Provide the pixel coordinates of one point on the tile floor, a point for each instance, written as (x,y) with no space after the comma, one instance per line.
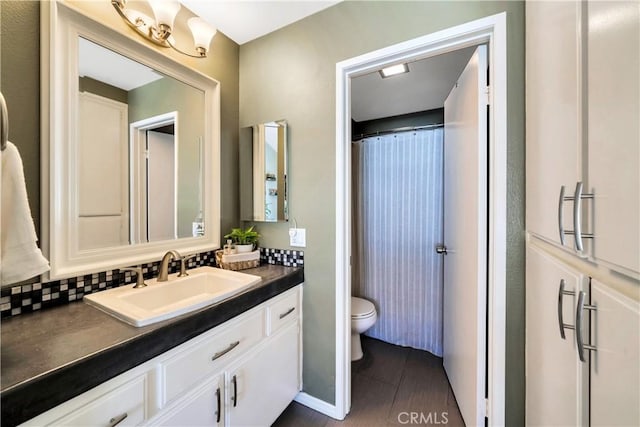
(388,385)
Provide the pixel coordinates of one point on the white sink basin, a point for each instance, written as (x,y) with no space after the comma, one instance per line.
(165,300)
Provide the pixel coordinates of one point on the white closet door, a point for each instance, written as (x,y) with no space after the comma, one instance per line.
(553,107)
(615,365)
(556,381)
(614,133)
(465,235)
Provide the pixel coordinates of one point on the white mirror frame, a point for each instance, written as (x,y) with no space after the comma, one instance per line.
(61,25)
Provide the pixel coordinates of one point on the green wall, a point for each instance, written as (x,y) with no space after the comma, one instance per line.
(291,74)
(20,84)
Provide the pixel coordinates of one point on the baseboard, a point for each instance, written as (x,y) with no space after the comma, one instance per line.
(318,405)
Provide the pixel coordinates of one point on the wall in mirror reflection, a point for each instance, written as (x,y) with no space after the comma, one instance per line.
(140,152)
(264,182)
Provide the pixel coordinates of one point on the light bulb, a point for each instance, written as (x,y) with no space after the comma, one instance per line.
(165,11)
(202,33)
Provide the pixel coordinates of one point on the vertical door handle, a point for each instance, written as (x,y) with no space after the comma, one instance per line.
(561,199)
(579,313)
(218,410)
(234,398)
(561,293)
(577,216)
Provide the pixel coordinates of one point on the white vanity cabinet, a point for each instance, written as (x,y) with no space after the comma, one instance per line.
(242,372)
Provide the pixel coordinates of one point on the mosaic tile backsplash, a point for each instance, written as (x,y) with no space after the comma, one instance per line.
(33,295)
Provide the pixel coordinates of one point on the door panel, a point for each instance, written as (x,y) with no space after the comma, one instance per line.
(615,366)
(161,182)
(556,380)
(465,235)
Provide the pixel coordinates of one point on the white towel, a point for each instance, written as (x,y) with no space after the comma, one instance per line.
(20,257)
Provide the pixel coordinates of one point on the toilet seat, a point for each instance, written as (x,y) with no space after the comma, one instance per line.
(361,308)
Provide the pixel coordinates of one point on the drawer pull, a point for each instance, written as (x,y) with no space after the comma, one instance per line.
(288,312)
(234,381)
(218,411)
(117,420)
(226,350)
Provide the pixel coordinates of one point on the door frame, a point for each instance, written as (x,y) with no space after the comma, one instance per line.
(137,191)
(493,31)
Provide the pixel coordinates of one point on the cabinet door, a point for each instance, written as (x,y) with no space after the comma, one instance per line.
(263,385)
(203,407)
(556,381)
(614,134)
(615,365)
(553,113)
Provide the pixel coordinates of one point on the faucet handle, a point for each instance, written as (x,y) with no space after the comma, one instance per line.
(139,276)
(183,265)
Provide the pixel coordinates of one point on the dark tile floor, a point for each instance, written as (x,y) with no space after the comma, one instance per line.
(390,384)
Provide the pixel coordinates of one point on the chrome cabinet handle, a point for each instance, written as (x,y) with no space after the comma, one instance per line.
(577,216)
(288,312)
(561,201)
(225,351)
(234,398)
(218,410)
(579,313)
(117,420)
(561,293)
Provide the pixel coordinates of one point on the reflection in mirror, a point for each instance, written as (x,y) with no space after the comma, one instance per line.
(140,135)
(263,172)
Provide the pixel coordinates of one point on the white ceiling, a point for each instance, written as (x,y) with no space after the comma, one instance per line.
(243,21)
(424,87)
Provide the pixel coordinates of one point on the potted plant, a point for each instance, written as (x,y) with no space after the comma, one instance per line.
(245,240)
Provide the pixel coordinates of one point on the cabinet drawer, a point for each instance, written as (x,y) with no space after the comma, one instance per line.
(186,368)
(124,406)
(283,311)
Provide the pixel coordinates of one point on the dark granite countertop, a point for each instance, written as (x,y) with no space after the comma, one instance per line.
(51,356)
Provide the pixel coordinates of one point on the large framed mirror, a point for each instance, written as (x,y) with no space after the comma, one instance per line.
(264,177)
(131,156)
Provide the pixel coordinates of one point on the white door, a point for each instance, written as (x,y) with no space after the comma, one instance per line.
(161,187)
(614,134)
(465,236)
(102,173)
(615,366)
(557,382)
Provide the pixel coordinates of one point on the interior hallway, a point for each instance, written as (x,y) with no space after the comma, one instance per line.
(389,384)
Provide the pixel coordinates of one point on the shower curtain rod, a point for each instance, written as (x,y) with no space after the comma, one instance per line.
(402,129)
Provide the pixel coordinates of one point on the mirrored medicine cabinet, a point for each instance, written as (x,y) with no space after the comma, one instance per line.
(132,150)
(264,185)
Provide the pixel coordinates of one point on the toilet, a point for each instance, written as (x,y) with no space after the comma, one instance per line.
(363,316)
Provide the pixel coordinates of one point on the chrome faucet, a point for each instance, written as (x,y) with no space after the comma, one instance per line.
(164,264)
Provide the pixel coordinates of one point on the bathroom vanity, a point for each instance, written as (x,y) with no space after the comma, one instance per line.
(237,362)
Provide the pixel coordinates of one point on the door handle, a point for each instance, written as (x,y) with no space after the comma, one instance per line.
(117,420)
(234,398)
(579,313)
(218,410)
(577,216)
(441,249)
(561,293)
(561,199)
(225,351)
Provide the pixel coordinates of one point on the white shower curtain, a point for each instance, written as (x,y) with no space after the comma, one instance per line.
(398,222)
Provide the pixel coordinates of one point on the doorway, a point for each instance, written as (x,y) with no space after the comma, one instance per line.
(492,31)
(153,180)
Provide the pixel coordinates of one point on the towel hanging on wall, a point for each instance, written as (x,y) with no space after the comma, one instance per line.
(20,257)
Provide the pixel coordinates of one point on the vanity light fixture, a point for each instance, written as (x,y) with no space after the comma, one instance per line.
(159,31)
(394,70)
